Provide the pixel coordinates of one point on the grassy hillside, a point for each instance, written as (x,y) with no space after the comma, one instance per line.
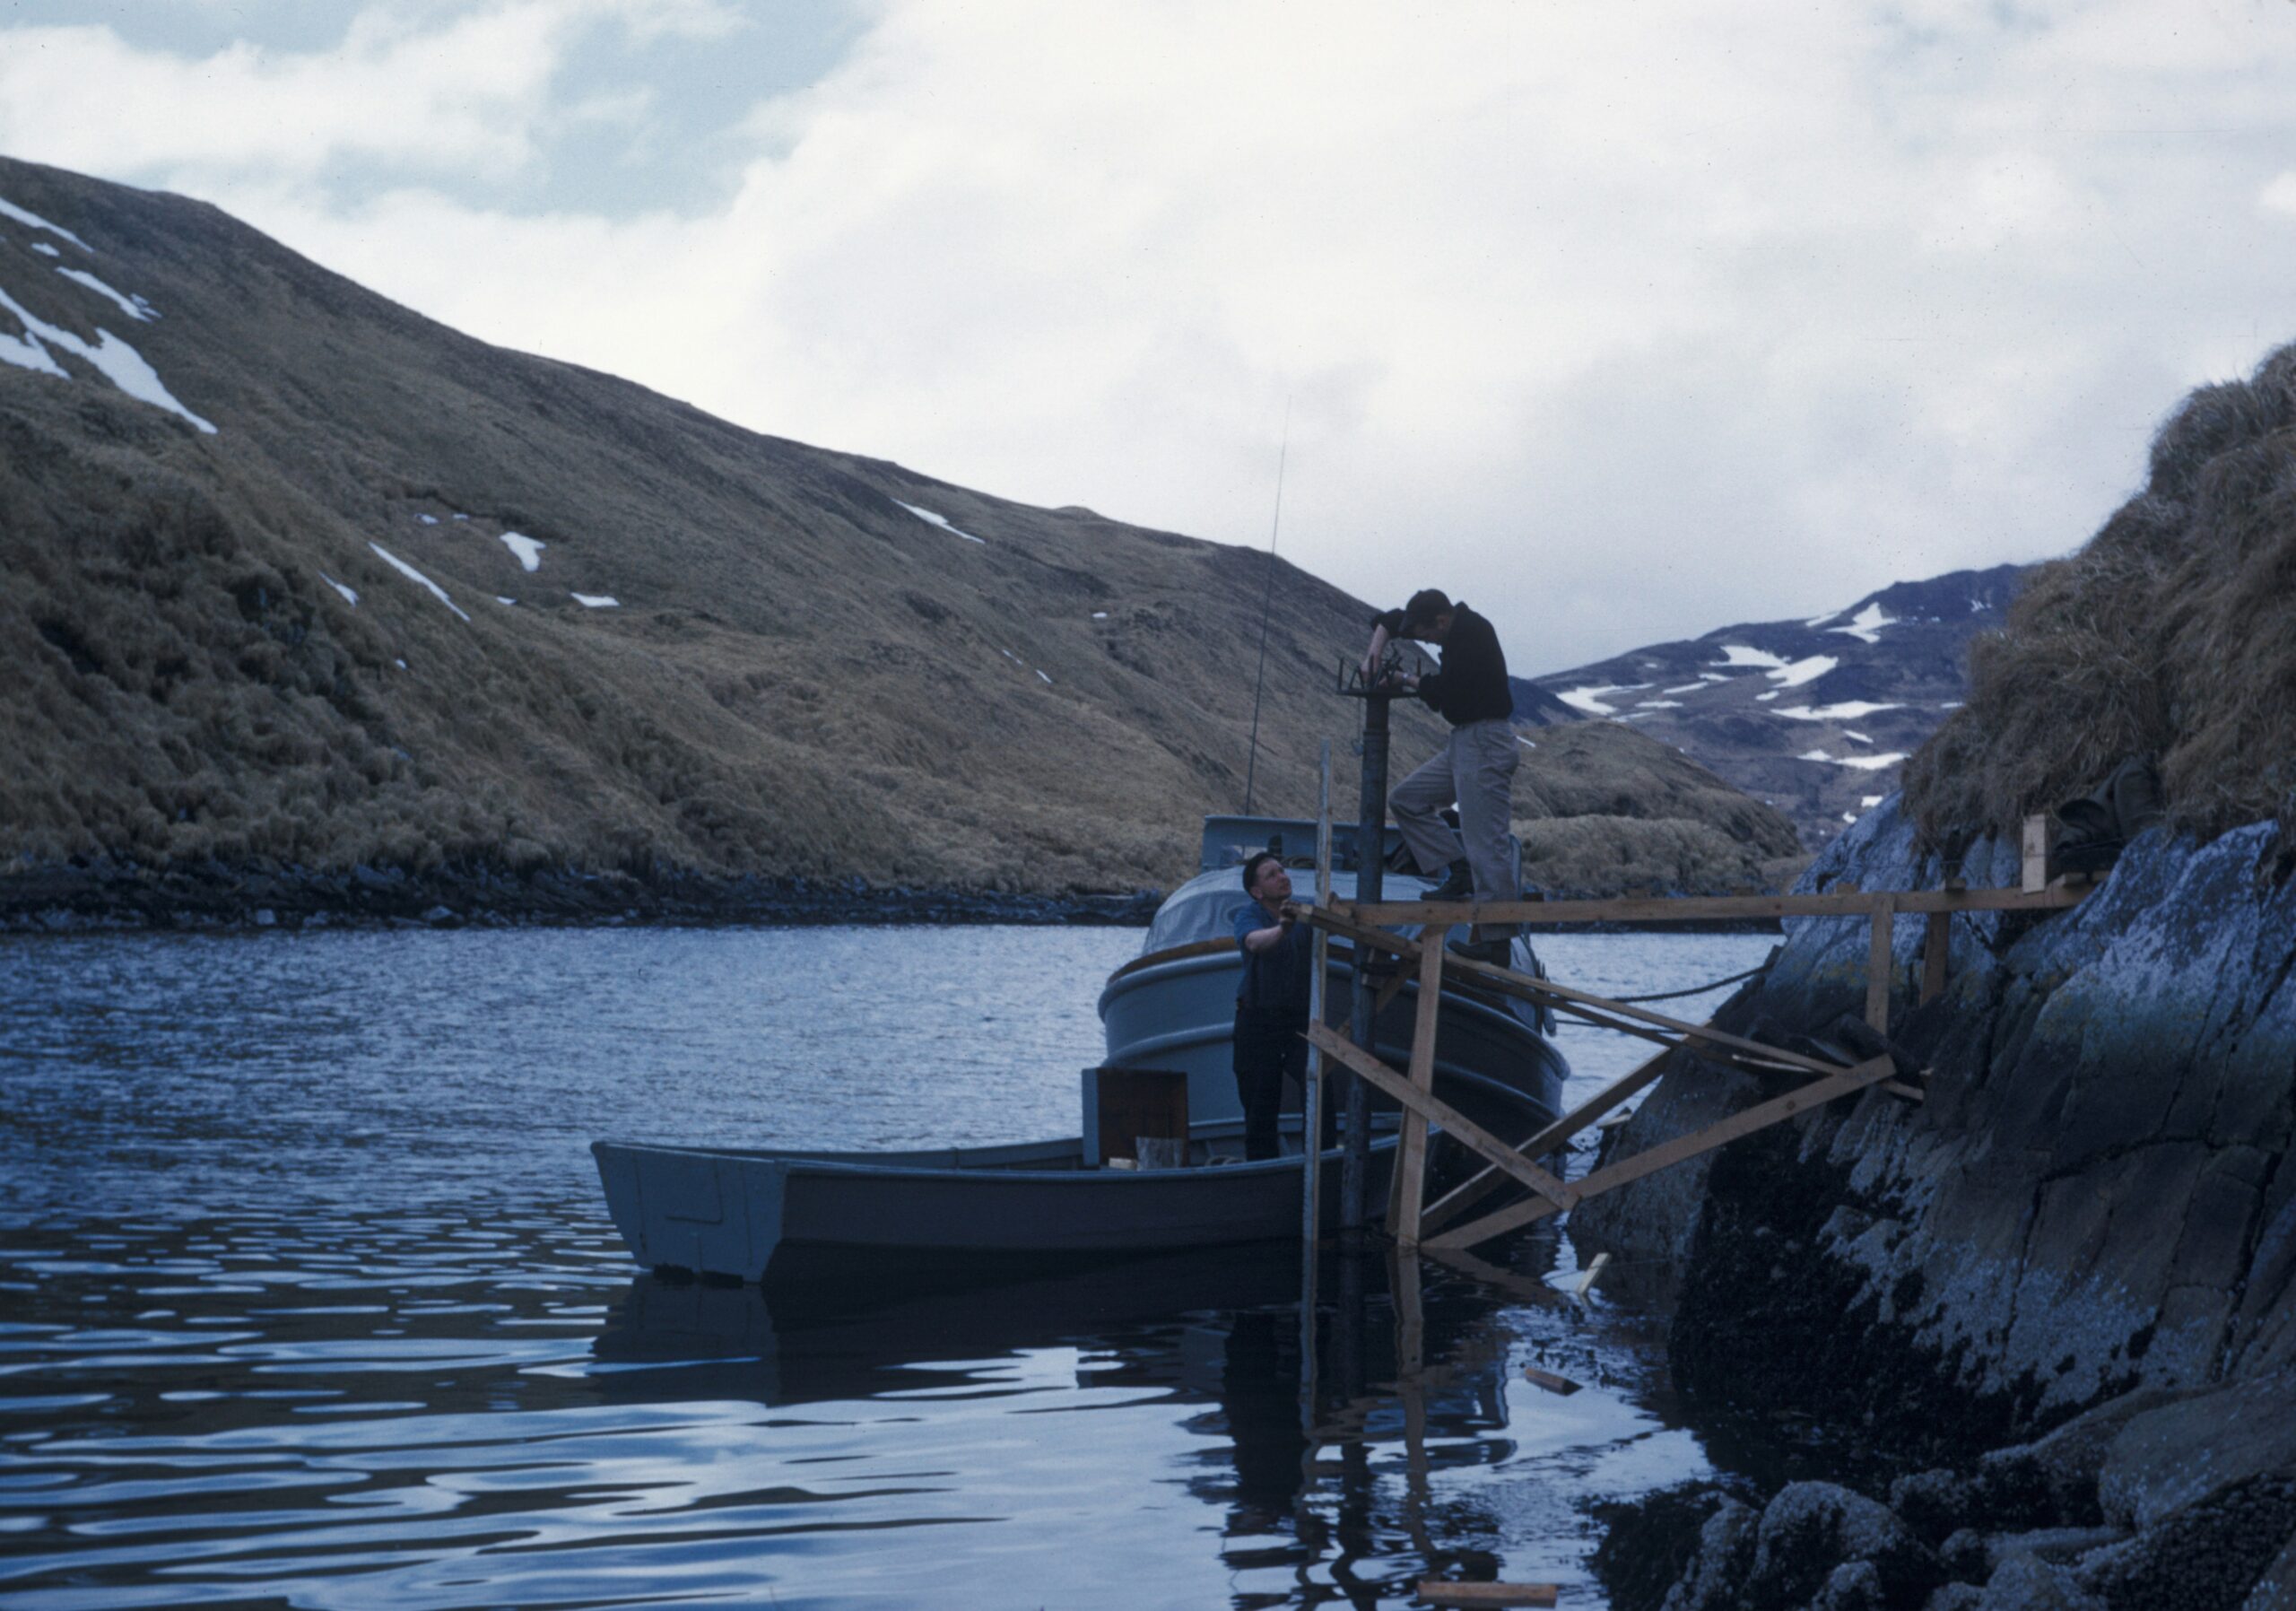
(1604,810)
(2171,635)
(800,676)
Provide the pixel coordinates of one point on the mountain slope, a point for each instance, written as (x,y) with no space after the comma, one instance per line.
(262,606)
(1816,716)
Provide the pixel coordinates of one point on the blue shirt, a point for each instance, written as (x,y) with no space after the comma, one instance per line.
(1276,980)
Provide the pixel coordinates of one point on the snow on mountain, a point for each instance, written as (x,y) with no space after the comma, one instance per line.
(1869,683)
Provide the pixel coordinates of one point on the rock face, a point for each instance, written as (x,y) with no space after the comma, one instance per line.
(2090,1225)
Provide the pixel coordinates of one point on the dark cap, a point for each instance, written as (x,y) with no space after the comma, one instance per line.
(1425,605)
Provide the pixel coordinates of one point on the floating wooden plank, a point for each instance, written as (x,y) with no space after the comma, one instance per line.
(1676,909)
(1816,1093)
(1454,1124)
(1411,1150)
(1562,1387)
(1587,1282)
(1880,965)
(1437,1593)
(1465,1195)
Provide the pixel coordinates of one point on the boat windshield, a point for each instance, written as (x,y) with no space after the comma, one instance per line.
(1203,907)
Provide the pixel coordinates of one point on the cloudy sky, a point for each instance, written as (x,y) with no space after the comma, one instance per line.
(1624,321)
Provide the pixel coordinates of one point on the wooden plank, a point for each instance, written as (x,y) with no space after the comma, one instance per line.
(1651,1160)
(1455,1124)
(1411,1151)
(1562,1386)
(1436,1593)
(1880,965)
(1587,1282)
(1467,1193)
(1678,909)
(1507,982)
(1936,945)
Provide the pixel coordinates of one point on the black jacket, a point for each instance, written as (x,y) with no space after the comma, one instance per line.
(1472,687)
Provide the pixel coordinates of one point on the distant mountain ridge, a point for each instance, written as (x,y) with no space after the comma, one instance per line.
(1815,716)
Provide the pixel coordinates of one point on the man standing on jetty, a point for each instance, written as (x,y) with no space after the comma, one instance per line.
(1272,1002)
(1476,767)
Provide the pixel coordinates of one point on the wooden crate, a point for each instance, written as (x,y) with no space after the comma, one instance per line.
(1132,1103)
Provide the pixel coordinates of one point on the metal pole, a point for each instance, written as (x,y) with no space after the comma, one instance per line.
(1370,878)
(1312,1114)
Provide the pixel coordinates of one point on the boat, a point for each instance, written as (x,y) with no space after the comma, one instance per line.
(967,1214)
(1174,1006)
(952,1214)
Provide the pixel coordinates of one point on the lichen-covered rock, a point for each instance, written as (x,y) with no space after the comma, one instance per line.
(1954,1596)
(1934,1503)
(1725,1555)
(1812,1527)
(2092,1200)
(2170,1455)
(2213,1553)
(2027,1583)
(1852,1586)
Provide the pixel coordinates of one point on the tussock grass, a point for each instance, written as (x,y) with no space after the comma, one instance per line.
(2171,635)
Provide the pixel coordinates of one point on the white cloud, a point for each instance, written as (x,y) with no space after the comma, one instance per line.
(1623,322)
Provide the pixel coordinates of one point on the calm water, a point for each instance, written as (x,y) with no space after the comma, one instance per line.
(308,1297)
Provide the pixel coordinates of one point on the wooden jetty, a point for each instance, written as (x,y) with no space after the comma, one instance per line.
(1369,925)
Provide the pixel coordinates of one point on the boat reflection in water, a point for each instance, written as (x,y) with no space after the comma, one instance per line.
(1408,1380)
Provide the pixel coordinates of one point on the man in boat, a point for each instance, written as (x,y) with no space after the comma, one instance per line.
(1271,1002)
(1475,768)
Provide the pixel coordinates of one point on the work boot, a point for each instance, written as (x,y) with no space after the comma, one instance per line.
(1458,883)
(1499,954)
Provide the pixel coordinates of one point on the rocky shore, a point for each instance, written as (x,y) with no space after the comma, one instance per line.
(2053,1304)
(100,893)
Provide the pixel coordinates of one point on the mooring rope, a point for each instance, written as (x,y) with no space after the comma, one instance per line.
(1695,990)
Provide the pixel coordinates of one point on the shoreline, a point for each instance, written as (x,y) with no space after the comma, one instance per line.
(103,896)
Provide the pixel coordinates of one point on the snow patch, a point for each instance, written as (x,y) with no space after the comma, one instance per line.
(1697,687)
(930,519)
(1849,817)
(428,519)
(400,664)
(1100,614)
(1770,695)
(9,209)
(113,358)
(1864,763)
(1848,711)
(1658,704)
(1803,671)
(1867,624)
(350,595)
(1009,655)
(1589,699)
(46,250)
(1870,801)
(1048,681)
(1951,705)
(135,307)
(413,575)
(1860,737)
(596,601)
(1738,656)
(527,549)
(501,600)
(1822,619)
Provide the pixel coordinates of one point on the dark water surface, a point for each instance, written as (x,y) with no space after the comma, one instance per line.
(308,1297)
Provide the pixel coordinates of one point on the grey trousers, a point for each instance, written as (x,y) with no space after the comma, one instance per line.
(1476,769)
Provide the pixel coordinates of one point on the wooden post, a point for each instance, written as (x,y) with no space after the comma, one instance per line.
(2041,848)
(1879,965)
(1311,1111)
(1411,1152)
(1936,943)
